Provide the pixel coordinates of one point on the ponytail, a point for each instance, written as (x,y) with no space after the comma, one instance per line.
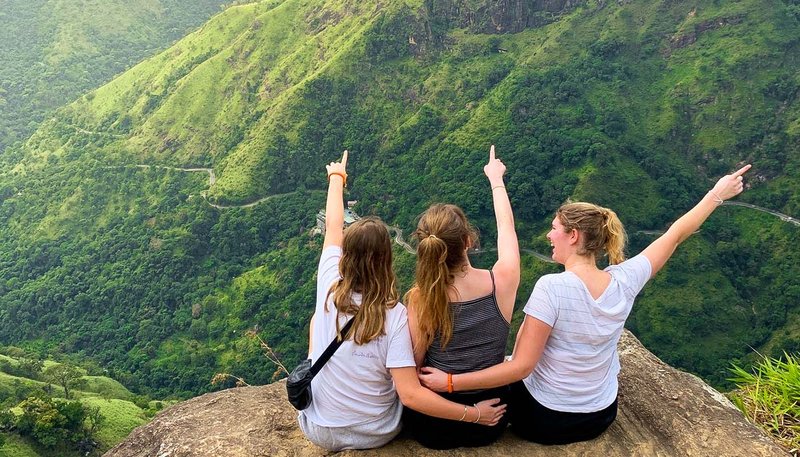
(429,295)
(443,236)
(615,237)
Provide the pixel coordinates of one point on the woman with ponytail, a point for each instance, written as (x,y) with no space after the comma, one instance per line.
(566,349)
(459,315)
(358,393)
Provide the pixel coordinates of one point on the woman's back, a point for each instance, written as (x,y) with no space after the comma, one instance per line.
(479,331)
(578,369)
(355,385)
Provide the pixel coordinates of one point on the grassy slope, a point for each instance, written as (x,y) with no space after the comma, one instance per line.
(113,399)
(53,51)
(597,105)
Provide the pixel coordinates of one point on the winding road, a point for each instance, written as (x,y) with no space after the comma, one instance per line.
(398,233)
(781,216)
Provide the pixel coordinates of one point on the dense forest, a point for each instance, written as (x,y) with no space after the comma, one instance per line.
(120,247)
(52,51)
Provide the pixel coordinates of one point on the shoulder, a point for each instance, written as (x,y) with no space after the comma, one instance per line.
(331,253)
(632,273)
(329,264)
(551,280)
(636,265)
(397,312)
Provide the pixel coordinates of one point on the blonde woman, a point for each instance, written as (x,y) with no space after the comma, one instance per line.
(358,393)
(565,351)
(459,315)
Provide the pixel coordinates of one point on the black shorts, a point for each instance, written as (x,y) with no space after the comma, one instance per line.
(435,433)
(532,421)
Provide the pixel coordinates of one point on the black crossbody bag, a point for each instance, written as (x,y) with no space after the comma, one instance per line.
(298,384)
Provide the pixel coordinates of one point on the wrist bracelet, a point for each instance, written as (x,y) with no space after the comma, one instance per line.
(479,414)
(498,187)
(449,383)
(716,197)
(463,415)
(344,177)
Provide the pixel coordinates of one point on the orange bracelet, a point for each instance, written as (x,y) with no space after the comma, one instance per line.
(449,383)
(344,177)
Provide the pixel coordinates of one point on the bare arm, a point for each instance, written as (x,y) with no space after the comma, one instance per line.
(507,268)
(531,339)
(661,249)
(310,336)
(413,327)
(418,398)
(334,205)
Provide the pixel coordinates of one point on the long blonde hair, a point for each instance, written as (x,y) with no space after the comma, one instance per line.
(443,234)
(365,268)
(602,230)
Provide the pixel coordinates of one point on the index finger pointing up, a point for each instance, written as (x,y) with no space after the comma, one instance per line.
(491,153)
(344,158)
(742,170)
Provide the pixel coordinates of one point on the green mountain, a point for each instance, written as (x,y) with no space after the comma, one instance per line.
(52,51)
(120,245)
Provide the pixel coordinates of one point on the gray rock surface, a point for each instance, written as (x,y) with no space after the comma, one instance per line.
(663,412)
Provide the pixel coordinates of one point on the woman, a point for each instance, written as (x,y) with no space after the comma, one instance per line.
(355,403)
(566,347)
(459,315)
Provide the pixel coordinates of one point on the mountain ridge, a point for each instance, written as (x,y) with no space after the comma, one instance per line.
(130,267)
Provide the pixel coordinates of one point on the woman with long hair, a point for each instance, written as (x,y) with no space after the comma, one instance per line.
(566,349)
(459,315)
(355,403)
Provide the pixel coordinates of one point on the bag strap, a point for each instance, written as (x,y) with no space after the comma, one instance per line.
(323,359)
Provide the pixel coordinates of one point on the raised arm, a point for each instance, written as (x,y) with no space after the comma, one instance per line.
(661,249)
(531,339)
(507,268)
(418,398)
(334,206)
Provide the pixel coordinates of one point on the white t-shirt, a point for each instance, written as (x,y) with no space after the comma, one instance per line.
(355,386)
(578,368)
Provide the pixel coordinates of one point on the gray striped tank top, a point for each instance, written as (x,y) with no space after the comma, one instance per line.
(479,337)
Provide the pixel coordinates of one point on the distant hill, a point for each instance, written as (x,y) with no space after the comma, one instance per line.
(53,51)
(111,248)
(122,410)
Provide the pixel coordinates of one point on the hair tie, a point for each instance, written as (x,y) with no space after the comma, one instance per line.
(433,236)
(606,217)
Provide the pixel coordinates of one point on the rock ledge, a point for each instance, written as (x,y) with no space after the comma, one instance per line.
(663,412)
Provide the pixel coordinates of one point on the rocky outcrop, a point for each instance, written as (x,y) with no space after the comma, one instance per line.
(663,412)
(688,37)
(501,16)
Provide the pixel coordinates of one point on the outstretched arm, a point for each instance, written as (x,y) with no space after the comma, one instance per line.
(334,206)
(531,339)
(661,249)
(507,268)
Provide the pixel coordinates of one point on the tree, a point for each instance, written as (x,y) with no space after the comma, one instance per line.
(64,375)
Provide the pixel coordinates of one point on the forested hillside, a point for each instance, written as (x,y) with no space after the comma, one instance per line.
(57,409)
(119,245)
(52,51)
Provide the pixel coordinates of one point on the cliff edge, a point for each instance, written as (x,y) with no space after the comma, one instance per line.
(663,412)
